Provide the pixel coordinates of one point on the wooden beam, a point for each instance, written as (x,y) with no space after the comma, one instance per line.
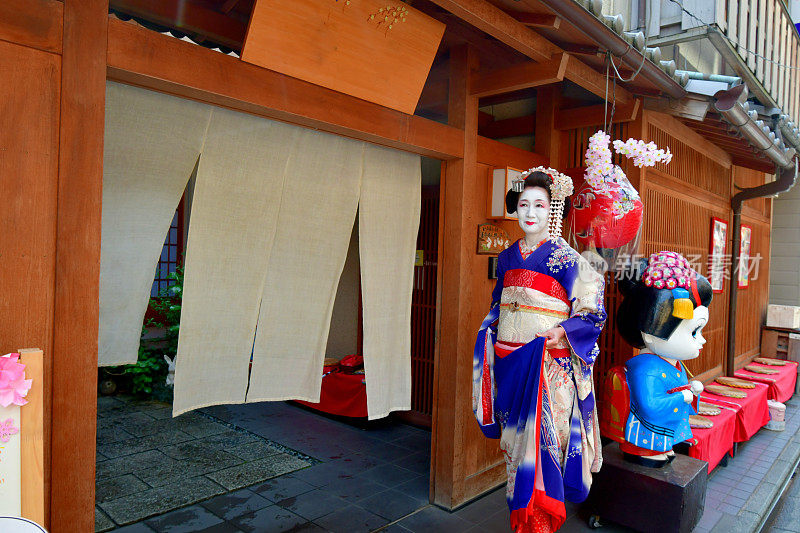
(484,119)
(538,20)
(33,23)
(515,34)
(593,115)
(523,76)
(594,82)
(501,26)
(189,17)
(498,154)
(509,127)
(153,61)
(756,164)
(77,265)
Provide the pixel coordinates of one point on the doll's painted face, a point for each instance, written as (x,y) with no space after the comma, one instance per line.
(533,207)
(685,342)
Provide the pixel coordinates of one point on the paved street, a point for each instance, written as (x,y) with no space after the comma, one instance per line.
(787,514)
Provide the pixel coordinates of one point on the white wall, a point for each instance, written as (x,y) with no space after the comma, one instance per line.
(794,10)
(784,283)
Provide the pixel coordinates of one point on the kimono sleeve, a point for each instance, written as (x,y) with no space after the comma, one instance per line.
(588,314)
(502,266)
(653,402)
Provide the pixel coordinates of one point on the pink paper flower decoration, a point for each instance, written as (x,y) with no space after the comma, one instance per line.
(7,429)
(13,385)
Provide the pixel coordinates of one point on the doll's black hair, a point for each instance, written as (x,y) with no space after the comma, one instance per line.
(534,179)
(648,309)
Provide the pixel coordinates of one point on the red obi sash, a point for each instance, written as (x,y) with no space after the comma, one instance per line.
(522,277)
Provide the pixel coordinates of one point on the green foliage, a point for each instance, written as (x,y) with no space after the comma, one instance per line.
(147,376)
(168,306)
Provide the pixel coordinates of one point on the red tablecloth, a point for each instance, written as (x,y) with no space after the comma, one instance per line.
(713,443)
(342,394)
(781,385)
(753,413)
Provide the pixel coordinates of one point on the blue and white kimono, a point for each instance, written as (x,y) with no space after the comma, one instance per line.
(659,419)
(540,402)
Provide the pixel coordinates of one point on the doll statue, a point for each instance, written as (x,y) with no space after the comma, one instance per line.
(532,366)
(663,312)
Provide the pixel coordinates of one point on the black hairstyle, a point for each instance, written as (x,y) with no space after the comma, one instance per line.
(534,179)
(648,309)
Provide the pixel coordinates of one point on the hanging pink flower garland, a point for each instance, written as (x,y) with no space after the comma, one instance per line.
(13,385)
(608,179)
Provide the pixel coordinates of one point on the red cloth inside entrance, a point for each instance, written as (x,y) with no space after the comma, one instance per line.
(781,385)
(342,394)
(713,443)
(753,411)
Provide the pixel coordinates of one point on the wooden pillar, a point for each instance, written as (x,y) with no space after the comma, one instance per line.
(547,139)
(454,367)
(77,265)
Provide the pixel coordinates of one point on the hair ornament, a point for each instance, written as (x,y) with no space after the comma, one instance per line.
(560,188)
(682,306)
(669,270)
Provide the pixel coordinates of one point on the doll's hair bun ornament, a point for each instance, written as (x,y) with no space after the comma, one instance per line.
(662,291)
(559,188)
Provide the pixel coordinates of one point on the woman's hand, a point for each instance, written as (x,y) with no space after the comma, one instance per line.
(554,336)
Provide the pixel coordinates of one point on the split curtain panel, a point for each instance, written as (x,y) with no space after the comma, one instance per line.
(271,217)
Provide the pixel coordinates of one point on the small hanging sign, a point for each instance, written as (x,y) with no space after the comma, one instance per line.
(492,240)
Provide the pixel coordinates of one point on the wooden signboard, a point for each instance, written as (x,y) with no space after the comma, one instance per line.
(376,50)
(492,240)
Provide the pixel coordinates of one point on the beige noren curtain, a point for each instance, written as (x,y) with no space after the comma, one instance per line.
(388,221)
(235,210)
(152,142)
(272,215)
(320,200)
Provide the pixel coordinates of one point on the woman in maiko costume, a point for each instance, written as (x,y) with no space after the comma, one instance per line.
(532,367)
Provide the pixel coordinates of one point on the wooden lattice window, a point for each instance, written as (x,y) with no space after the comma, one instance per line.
(171,253)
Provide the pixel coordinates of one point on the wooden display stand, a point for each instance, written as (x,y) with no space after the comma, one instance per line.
(666,499)
(779,343)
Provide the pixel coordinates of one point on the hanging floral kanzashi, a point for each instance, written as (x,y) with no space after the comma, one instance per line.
(13,385)
(608,211)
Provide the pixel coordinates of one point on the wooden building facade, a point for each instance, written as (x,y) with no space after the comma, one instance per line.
(55,58)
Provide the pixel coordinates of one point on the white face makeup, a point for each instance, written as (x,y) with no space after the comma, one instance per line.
(685,342)
(533,207)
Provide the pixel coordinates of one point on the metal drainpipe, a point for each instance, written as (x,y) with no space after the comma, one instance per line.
(786,181)
(728,104)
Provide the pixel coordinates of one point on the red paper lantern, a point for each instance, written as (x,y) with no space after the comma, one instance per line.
(593,221)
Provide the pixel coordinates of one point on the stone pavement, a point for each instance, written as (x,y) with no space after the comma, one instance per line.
(149,463)
(375,478)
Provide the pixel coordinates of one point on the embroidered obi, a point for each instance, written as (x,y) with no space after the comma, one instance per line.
(531,302)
